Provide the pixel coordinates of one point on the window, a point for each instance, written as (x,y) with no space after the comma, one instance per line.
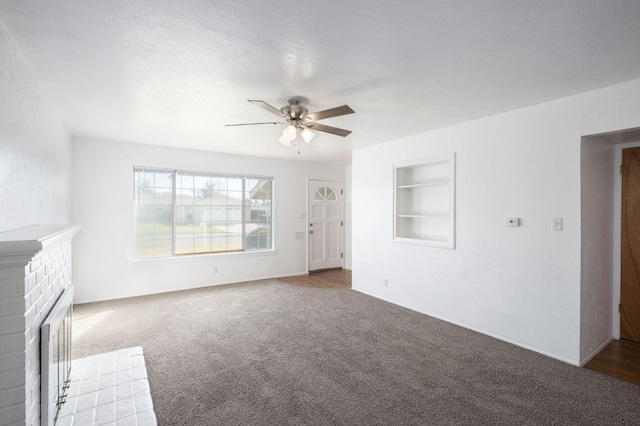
(180,213)
(325,193)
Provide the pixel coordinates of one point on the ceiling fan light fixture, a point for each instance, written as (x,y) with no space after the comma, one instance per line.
(284,140)
(298,119)
(288,134)
(291,131)
(307,135)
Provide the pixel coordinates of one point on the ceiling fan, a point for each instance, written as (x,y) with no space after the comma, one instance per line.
(299,119)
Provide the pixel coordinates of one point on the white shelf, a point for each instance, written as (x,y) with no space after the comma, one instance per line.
(424,198)
(421,185)
(423,215)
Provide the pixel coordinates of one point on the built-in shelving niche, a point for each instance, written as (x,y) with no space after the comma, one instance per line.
(424,201)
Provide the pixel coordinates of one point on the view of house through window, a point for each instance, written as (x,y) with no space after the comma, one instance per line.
(180,212)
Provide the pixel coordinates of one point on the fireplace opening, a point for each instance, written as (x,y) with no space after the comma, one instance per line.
(55,358)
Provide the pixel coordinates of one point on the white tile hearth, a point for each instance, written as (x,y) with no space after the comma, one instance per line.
(109,389)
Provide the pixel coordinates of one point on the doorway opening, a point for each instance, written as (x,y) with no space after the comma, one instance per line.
(601,238)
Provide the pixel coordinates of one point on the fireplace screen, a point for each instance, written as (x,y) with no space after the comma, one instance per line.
(55,358)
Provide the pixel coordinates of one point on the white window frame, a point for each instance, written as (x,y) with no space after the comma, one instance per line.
(174,207)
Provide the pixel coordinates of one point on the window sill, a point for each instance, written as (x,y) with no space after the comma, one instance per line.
(209,256)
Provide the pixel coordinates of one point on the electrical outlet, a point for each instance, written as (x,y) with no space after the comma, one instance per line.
(385,283)
(214,270)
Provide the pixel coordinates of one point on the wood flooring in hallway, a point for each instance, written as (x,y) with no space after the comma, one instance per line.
(620,359)
(338,278)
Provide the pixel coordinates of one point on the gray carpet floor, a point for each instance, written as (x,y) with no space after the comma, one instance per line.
(270,353)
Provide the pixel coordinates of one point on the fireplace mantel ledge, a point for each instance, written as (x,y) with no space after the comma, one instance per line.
(18,247)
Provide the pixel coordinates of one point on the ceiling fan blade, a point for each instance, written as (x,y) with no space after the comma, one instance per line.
(252,124)
(273,110)
(328,129)
(332,112)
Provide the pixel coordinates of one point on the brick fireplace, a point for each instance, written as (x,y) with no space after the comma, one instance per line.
(35,269)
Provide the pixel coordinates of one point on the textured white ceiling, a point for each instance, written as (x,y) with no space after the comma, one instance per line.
(174,72)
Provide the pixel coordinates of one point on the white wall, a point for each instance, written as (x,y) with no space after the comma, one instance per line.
(103,205)
(597,215)
(34,148)
(348,188)
(521,285)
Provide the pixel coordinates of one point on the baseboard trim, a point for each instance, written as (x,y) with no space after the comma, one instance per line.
(595,352)
(316,271)
(289,275)
(270,277)
(495,336)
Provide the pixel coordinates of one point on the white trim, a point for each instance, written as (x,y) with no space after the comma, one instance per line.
(495,336)
(175,173)
(208,256)
(49,364)
(201,173)
(296,274)
(243,281)
(448,159)
(19,246)
(596,352)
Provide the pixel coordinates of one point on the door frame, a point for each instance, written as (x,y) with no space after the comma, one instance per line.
(600,238)
(307,222)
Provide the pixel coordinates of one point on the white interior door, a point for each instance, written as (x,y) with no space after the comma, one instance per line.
(325,224)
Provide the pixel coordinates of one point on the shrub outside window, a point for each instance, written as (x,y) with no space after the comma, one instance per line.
(181,212)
